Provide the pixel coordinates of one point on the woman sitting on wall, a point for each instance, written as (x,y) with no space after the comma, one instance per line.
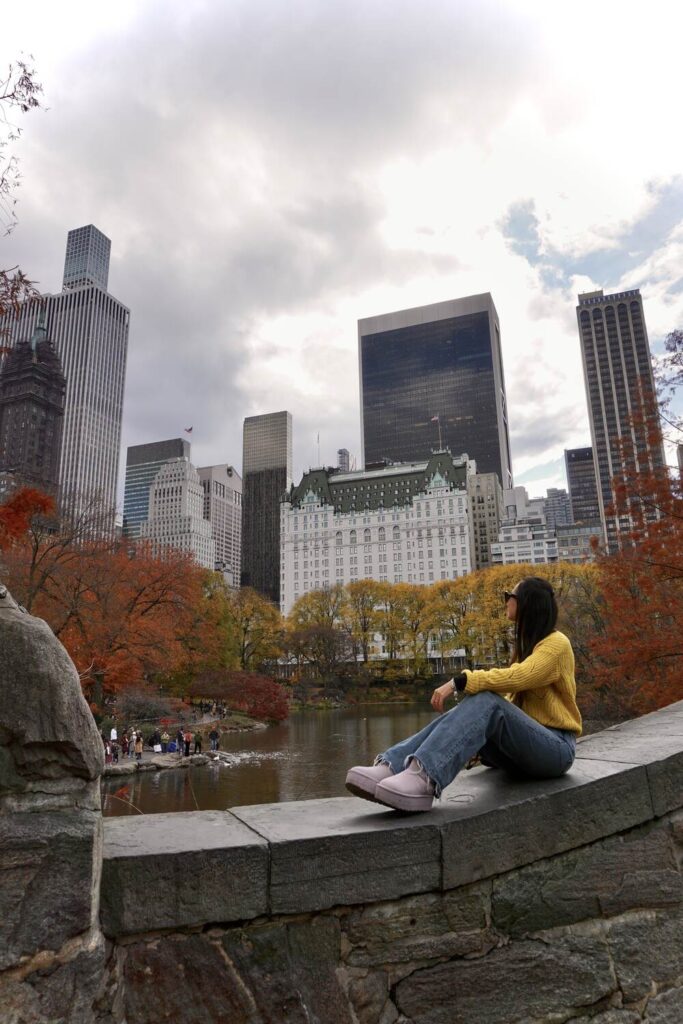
(532,733)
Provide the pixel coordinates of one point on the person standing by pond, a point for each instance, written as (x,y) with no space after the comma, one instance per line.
(198,742)
(532,733)
(187,740)
(138,746)
(214,737)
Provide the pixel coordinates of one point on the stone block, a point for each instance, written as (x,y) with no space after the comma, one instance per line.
(523,982)
(419,928)
(646,948)
(61,992)
(174,870)
(492,823)
(290,970)
(183,978)
(343,851)
(634,870)
(46,728)
(368,996)
(49,868)
(614,1016)
(655,741)
(666,1008)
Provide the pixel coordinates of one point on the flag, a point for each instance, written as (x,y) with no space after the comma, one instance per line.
(188,430)
(434,419)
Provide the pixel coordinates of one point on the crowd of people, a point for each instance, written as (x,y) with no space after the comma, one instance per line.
(131,742)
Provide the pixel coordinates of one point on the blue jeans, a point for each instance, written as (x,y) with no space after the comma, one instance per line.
(485,724)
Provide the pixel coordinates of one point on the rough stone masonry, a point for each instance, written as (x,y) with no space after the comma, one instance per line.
(510,903)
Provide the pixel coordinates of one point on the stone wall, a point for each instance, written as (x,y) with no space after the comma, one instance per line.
(510,903)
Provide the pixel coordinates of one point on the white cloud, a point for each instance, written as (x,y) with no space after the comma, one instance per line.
(271,172)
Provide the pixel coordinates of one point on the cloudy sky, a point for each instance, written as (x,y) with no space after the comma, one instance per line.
(270,171)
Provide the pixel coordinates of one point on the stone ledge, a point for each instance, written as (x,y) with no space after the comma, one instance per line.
(177,870)
(191,869)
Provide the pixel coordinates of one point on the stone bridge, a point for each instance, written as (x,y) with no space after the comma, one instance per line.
(510,903)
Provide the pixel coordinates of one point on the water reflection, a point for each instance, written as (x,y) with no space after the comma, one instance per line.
(301,759)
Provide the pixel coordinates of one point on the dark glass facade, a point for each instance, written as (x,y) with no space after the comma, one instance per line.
(266,475)
(583,489)
(263,491)
(445,368)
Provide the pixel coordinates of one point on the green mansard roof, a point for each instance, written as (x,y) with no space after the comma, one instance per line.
(387,486)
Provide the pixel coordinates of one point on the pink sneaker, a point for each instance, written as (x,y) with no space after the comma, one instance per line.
(411,790)
(362,781)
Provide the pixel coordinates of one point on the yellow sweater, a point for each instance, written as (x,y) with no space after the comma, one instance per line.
(542,685)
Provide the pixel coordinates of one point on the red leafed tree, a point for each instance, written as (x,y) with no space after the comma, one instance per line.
(638,655)
(132,616)
(256,695)
(17,513)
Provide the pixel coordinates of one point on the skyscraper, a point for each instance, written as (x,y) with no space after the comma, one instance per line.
(89,329)
(87,259)
(32,390)
(175,518)
(432,377)
(343,460)
(266,475)
(620,393)
(143,462)
(583,489)
(223,509)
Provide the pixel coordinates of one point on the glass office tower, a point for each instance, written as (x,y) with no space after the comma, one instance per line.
(583,489)
(432,377)
(266,475)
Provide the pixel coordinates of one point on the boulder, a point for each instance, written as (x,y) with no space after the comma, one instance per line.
(47,733)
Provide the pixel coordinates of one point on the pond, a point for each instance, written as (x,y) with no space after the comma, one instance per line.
(301,759)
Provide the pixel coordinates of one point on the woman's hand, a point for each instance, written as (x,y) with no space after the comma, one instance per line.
(441,695)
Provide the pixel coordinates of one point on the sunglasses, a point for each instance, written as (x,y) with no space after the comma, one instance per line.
(507,596)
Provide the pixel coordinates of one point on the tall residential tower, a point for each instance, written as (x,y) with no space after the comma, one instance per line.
(621,395)
(432,377)
(89,329)
(266,475)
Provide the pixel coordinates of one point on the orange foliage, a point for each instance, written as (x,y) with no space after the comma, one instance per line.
(122,614)
(18,511)
(638,654)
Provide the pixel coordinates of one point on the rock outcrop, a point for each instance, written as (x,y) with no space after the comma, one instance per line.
(51,757)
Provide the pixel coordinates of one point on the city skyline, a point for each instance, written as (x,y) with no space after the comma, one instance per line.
(415,191)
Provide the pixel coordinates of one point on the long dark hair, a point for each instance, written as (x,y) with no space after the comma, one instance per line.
(536,615)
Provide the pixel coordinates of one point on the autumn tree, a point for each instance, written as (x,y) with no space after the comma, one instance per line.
(638,654)
(132,617)
(390,620)
(17,514)
(317,631)
(254,626)
(257,695)
(362,613)
(449,601)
